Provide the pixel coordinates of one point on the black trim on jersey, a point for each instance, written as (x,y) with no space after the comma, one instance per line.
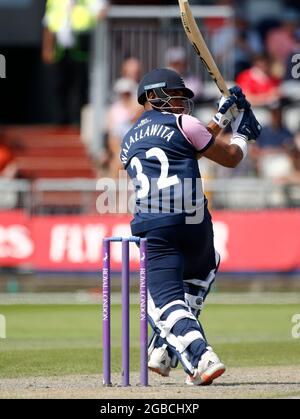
(180,122)
(207,145)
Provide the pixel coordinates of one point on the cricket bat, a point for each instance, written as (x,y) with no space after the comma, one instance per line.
(195,37)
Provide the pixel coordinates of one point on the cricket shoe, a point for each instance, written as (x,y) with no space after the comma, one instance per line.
(209,368)
(160,361)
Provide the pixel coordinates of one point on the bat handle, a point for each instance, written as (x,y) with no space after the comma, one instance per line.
(226,93)
(235,112)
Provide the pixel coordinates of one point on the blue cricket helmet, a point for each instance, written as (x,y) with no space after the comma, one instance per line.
(161,78)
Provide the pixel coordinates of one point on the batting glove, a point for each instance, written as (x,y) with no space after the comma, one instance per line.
(225,115)
(241,103)
(246,126)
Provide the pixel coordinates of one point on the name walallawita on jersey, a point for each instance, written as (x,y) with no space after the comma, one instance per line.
(153,130)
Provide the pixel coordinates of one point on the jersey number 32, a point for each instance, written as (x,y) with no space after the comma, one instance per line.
(164,181)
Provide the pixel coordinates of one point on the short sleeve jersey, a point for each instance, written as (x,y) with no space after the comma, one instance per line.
(160,156)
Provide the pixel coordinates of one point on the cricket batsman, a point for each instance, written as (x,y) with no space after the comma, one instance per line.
(160,154)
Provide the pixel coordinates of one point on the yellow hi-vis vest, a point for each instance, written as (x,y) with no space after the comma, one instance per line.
(82,16)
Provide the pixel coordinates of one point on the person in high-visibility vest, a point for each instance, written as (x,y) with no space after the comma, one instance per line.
(66,43)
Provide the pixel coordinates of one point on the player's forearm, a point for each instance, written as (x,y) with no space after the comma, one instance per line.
(48,39)
(48,46)
(235,156)
(227,155)
(214,129)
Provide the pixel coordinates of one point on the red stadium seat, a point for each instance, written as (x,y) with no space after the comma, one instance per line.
(28,173)
(48,152)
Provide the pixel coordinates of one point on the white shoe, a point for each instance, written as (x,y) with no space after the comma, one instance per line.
(209,368)
(160,361)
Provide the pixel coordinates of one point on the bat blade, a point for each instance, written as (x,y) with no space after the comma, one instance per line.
(196,39)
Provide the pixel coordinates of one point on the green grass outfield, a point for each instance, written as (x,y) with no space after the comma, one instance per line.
(49,340)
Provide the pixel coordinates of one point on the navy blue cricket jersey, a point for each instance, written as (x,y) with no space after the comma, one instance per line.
(162,164)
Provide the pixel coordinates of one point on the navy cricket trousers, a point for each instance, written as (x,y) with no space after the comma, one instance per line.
(176,253)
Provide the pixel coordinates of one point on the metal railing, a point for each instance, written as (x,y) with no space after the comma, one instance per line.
(79,196)
(14,193)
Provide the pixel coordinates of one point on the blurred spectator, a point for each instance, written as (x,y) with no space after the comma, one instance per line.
(214,23)
(176,60)
(66,43)
(236,44)
(289,173)
(294,178)
(275,135)
(121,116)
(7,164)
(247,44)
(272,148)
(293,66)
(293,70)
(123,112)
(258,84)
(132,69)
(282,42)
(291,85)
(296,150)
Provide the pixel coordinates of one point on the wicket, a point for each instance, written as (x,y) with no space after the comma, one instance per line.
(106,295)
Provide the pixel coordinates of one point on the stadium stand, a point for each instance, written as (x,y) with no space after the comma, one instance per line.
(48,152)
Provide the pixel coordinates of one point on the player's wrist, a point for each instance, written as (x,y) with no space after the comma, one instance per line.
(242,142)
(213,128)
(222,120)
